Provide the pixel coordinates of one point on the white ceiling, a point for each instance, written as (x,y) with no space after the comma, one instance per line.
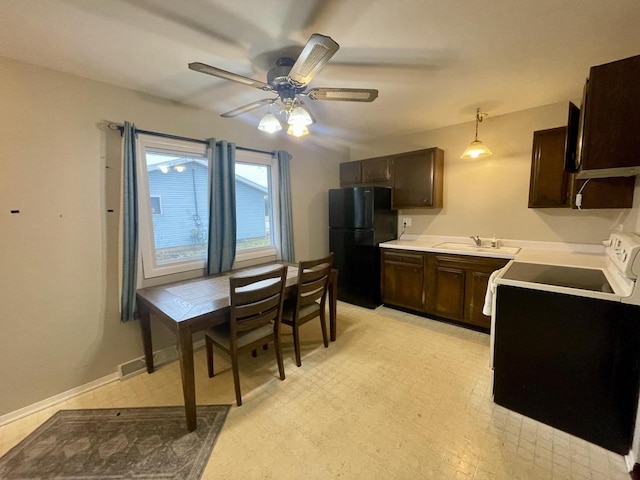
(433,61)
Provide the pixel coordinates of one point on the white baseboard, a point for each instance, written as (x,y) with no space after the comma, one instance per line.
(630,460)
(61,397)
(160,357)
(124,371)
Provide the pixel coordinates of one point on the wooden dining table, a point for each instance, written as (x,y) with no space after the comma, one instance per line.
(192,306)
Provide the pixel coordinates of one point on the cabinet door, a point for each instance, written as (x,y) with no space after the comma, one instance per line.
(375,170)
(417,179)
(612,116)
(551,187)
(477,284)
(350,173)
(549,184)
(449,292)
(403,280)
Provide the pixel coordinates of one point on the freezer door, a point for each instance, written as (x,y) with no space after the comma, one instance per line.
(351,207)
(357,259)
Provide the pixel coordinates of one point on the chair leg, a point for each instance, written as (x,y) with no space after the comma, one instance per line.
(276,347)
(323,326)
(296,344)
(236,377)
(209,345)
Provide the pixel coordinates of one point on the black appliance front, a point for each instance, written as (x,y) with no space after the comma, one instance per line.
(570,362)
(357,259)
(359,219)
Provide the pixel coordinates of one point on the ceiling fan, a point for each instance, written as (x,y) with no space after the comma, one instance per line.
(289,79)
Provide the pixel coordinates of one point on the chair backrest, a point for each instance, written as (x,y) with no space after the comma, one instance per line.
(256,299)
(313,278)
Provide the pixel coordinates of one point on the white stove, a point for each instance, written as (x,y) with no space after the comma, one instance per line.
(571,328)
(615,280)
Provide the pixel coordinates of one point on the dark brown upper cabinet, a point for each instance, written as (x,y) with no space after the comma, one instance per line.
(611,116)
(551,187)
(368,172)
(350,173)
(376,170)
(417,179)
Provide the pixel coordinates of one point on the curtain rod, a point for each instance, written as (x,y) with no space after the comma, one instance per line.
(119,126)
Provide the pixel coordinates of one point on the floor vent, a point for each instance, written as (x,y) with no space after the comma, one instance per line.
(160,357)
(134,367)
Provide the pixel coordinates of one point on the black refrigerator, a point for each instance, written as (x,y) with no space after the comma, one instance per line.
(359,219)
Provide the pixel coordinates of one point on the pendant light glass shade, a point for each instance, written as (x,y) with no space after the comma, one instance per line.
(269,123)
(298,130)
(299,116)
(477,149)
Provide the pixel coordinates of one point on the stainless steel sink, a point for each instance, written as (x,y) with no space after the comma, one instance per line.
(465,247)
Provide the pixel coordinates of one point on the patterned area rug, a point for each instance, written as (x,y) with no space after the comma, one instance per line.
(150,443)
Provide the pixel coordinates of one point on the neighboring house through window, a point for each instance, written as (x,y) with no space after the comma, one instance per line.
(174,205)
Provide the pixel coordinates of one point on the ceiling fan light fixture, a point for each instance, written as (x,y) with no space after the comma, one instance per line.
(298,130)
(299,117)
(477,149)
(269,123)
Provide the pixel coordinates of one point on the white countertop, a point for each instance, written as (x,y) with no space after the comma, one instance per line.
(553,253)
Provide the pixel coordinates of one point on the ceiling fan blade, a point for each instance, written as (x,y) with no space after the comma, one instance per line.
(218,72)
(315,54)
(247,108)
(343,94)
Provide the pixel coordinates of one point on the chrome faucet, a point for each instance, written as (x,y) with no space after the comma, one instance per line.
(477,240)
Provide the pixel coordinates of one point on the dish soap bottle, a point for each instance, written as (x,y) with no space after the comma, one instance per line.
(494,241)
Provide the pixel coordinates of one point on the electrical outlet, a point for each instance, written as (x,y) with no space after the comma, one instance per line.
(406,221)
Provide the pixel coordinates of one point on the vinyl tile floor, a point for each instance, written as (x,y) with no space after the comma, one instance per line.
(397,396)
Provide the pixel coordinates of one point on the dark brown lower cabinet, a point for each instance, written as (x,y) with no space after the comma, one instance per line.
(448,286)
(449,292)
(403,279)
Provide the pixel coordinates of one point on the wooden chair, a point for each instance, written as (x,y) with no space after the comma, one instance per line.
(309,303)
(256,303)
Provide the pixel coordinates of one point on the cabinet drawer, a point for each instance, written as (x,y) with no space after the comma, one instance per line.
(396,256)
(470,262)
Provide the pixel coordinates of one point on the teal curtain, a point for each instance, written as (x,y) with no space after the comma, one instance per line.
(128,309)
(222,206)
(286,217)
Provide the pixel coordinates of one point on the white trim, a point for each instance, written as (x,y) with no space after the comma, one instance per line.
(150,267)
(630,460)
(164,356)
(61,397)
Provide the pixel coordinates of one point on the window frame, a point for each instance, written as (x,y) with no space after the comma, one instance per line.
(147,249)
(271,251)
(149,268)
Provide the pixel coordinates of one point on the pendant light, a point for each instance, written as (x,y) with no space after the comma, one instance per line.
(477,149)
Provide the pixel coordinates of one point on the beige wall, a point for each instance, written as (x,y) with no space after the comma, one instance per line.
(489,195)
(58,258)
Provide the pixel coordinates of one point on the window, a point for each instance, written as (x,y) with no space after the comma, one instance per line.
(156,205)
(173,206)
(256,207)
